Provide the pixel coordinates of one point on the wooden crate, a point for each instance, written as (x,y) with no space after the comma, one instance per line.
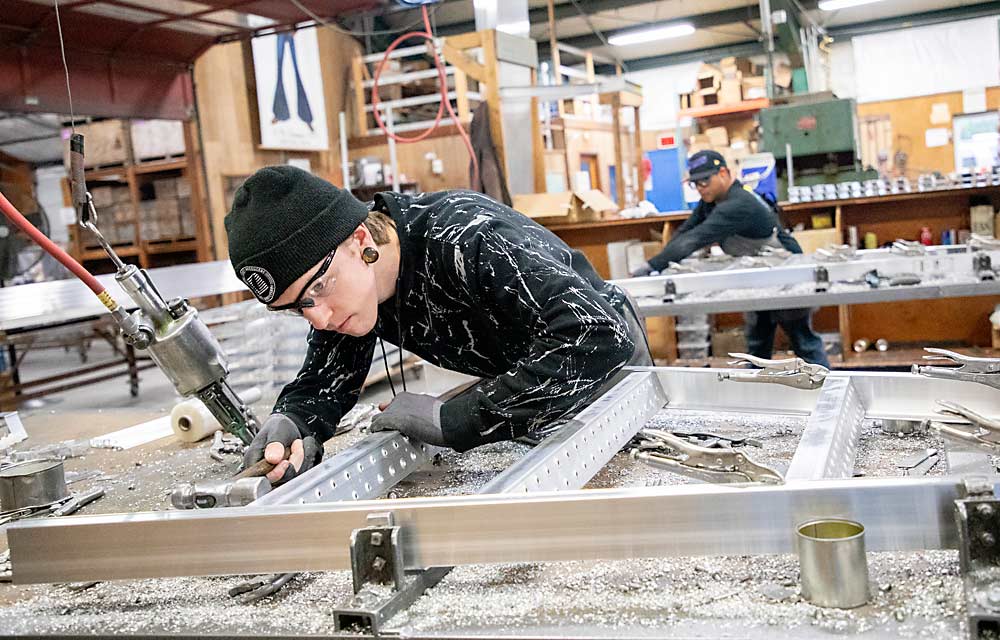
(157,139)
(104,144)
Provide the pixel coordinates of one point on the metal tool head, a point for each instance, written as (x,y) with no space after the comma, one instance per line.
(208,494)
(665,450)
(972,369)
(976,429)
(791,372)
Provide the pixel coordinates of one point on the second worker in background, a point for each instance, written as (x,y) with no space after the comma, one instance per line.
(742,224)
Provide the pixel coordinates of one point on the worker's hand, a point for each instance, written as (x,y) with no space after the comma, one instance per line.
(278,433)
(413,414)
(643,269)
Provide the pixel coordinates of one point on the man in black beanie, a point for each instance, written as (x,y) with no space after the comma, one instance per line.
(454,277)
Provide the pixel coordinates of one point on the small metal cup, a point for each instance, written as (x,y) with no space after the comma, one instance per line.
(832,563)
(34,483)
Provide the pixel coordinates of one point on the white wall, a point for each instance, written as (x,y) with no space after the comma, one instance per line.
(48,181)
(660,90)
(954,56)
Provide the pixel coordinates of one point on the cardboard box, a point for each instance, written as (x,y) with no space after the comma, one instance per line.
(982,220)
(165,188)
(102,197)
(783,75)
(726,341)
(732,66)
(813,239)
(754,87)
(189,226)
(566,206)
(717,137)
(684,101)
(708,79)
(104,143)
(730,91)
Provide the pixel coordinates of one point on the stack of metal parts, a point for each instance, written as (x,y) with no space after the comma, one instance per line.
(839,275)
(265,349)
(693,337)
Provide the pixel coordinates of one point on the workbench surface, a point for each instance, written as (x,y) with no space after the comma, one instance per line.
(916,595)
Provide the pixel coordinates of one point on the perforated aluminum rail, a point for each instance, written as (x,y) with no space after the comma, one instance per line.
(829,442)
(573,455)
(366,470)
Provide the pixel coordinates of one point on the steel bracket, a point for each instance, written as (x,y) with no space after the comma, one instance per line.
(978,518)
(983,266)
(822,277)
(376,554)
(669,291)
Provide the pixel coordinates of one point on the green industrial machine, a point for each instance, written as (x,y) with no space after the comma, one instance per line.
(821,137)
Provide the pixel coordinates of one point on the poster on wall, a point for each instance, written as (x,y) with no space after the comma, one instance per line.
(290,91)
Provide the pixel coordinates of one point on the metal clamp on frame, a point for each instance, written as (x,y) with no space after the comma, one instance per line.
(669,291)
(983,266)
(791,372)
(979,431)
(982,370)
(822,277)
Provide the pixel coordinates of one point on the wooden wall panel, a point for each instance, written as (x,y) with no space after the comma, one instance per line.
(226,112)
(415,166)
(17,181)
(911,117)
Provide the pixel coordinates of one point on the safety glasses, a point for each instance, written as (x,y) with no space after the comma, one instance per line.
(318,286)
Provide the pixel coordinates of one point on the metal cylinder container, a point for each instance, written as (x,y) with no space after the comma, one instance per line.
(34,483)
(832,563)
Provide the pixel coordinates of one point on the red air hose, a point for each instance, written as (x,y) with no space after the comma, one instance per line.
(444,104)
(56,252)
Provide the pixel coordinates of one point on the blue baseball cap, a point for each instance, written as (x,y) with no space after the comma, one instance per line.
(704,164)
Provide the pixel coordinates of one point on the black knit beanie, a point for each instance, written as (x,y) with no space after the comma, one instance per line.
(285,220)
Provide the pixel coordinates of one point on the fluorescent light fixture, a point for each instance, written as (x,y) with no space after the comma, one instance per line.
(651,35)
(834,5)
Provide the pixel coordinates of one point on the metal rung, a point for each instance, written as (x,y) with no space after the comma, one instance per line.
(400,53)
(400,78)
(430,98)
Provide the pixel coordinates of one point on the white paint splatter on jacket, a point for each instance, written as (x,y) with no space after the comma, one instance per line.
(485,291)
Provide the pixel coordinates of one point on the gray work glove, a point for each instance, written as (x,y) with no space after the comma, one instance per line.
(642,270)
(282,429)
(415,415)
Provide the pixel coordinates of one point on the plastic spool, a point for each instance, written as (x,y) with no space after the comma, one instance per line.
(192,421)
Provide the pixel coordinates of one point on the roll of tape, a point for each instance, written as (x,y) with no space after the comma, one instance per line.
(192,422)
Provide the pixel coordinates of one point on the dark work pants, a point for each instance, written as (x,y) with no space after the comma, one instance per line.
(797,325)
(280,105)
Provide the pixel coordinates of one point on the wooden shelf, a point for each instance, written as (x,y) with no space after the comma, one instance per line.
(116,174)
(905,357)
(161,165)
(725,109)
(98,254)
(618,221)
(897,197)
(178,245)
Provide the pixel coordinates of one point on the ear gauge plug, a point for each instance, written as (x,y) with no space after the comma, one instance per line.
(369,255)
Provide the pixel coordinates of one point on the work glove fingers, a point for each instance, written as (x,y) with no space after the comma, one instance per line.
(306,453)
(277,428)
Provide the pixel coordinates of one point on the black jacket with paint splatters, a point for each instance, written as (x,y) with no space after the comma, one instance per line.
(484,291)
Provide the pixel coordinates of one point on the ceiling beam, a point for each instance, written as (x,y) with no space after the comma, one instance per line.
(540,15)
(702,21)
(710,54)
(965,12)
